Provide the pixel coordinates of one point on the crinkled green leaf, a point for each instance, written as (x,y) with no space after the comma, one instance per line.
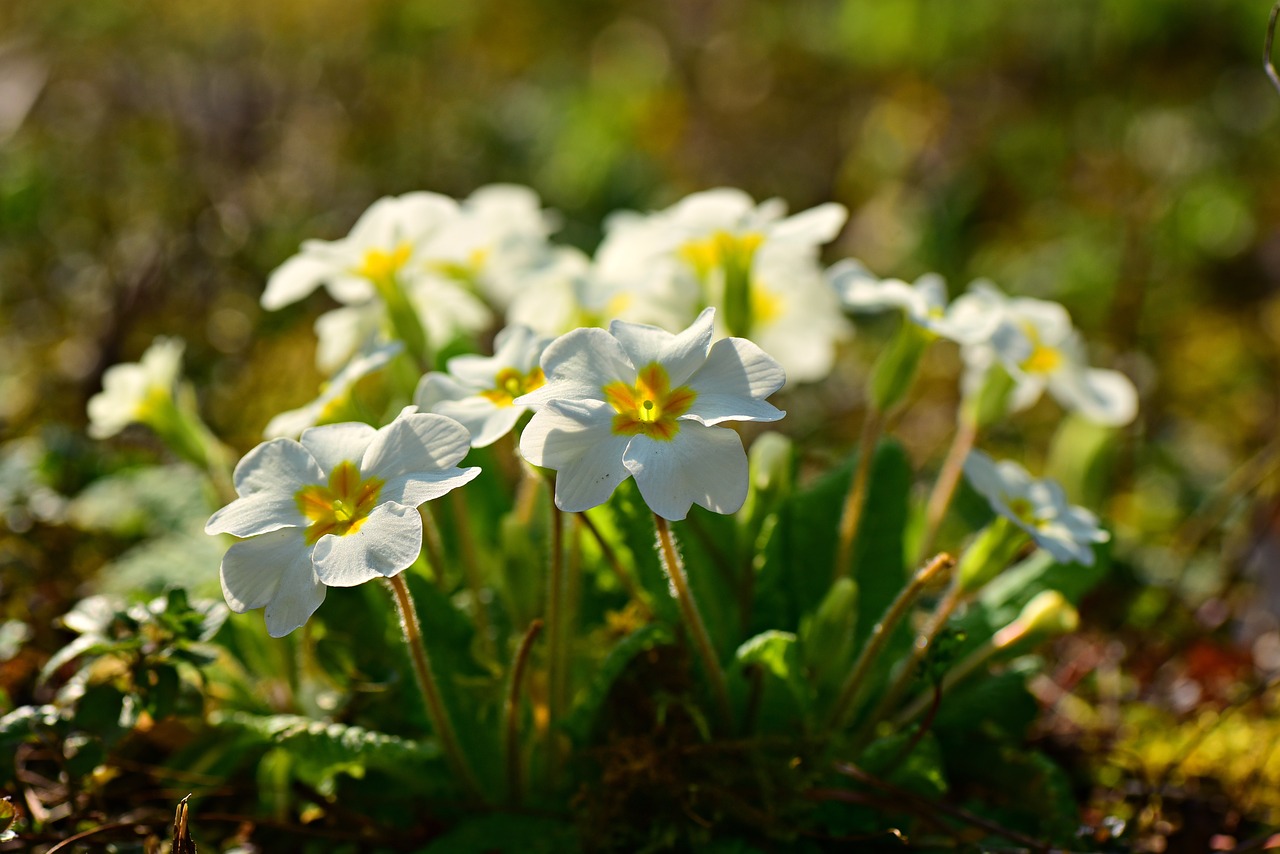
(141,501)
(320,751)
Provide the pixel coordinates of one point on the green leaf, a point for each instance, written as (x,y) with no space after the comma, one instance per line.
(142,501)
(766,686)
(187,557)
(320,751)
(581,722)
(914,765)
(513,834)
(798,568)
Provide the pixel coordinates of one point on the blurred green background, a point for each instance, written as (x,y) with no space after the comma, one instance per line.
(158,159)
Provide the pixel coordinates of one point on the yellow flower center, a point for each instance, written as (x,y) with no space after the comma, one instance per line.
(1043,359)
(651,406)
(341,507)
(379,265)
(463,271)
(510,384)
(1022,508)
(721,249)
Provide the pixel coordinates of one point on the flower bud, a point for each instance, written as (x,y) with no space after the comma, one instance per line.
(1047,614)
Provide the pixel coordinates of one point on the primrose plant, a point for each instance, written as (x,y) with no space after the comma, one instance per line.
(600,486)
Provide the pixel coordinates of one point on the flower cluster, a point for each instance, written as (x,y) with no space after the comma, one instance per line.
(335,508)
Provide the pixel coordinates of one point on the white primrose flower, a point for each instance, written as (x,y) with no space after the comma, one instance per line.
(386,241)
(479,391)
(1039,507)
(923,302)
(137,392)
(333,396)
(1036,343)
(498,236)
(336,509)
(717,248)
(636,401)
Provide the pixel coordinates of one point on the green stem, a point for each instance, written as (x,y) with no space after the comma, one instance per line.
(511,713)
(856,498)
(436,709)
(946,607)
(880,635)
(944,489)
(674,567)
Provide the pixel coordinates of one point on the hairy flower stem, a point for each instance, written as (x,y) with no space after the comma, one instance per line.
(436,709)
(856,498)
(471,571)
(946,607)
(944,489)
(674,567)
(620,572)
(511,714)
(557,661)
(879,637)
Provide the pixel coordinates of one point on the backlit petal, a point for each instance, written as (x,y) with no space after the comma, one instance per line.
(416,442)
(273,571)
(680,354)
(386,543)
(578,365)
(337,443)
(576,438)
(701,465)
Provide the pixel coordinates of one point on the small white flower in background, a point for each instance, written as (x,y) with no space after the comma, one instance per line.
(923,302)
(498,236)
(795,316)
(636,401)
(141,392)
(444,309)
(566,292)
(479,391)
(386,241)
(1038,507)
(1037,345)
(752,263)
(334,395)
(336,508)
(446,260)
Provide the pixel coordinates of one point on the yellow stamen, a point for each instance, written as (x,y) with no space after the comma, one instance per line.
(721,249)
(510,384)
(340,507)
(651,406)
(379,265)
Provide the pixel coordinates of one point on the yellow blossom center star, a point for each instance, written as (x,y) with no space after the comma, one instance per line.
(341,506)
(510,384)
(651,406)
(379,264)
(721,249)
(1043,359)
(1023,509)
